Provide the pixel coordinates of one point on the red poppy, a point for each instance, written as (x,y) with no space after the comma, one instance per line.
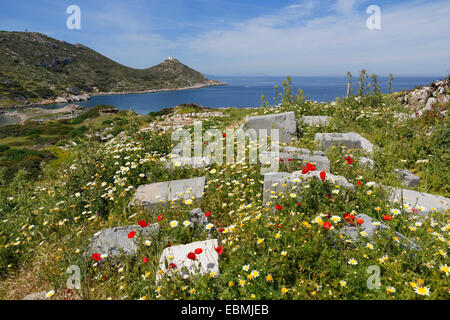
(299,204)
(198,251)
(349,218)
(219,250)
(290,159)
(224,135)
(159,218)
(327,225)
(323,175)
(309,167)
(350,161)
(142,223)
(139,138)
(359,183)
(221,230)
(172,266)
(279,227)
(359,221)
(96,257)
(192,256)
(278,207)
(131,234)
(387,217)
(145,260)
(207,214)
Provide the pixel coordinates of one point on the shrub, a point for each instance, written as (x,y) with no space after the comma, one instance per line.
(91,113)
(4,148)
(78,131)
(45,92)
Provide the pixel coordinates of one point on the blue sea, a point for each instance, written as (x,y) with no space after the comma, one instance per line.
(242,91)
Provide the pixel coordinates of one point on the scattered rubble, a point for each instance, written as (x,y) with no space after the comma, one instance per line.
(351,140)
(150,195)
(407,177)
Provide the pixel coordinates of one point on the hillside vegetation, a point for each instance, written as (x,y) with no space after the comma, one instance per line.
(34,67)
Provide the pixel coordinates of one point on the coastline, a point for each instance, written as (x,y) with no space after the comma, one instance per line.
(210,83)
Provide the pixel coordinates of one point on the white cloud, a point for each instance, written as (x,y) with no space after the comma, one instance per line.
(414,40)
(127,35)
(289,14)
(345,6)
(137,50)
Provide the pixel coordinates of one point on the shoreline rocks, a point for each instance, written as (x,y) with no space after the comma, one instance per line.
(85,96)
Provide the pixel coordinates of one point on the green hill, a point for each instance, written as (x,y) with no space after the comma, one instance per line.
(34,67)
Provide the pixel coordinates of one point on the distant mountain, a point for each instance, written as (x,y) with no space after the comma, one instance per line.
(34,67)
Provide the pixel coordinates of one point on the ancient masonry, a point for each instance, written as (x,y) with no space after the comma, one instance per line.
(115,241)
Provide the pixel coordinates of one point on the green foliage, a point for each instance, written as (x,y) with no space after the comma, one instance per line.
(45,92)
(14,160)
(91,113)
(391,78)
(14,130)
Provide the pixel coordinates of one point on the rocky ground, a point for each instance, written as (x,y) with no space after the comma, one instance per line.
(41,115)
(176,121)
(426,98)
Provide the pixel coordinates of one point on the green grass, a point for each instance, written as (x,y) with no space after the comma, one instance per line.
(44,136)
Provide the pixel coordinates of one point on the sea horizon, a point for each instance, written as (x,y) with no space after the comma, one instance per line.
(246,91)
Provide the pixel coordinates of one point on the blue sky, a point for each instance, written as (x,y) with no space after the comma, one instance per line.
(258,37)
